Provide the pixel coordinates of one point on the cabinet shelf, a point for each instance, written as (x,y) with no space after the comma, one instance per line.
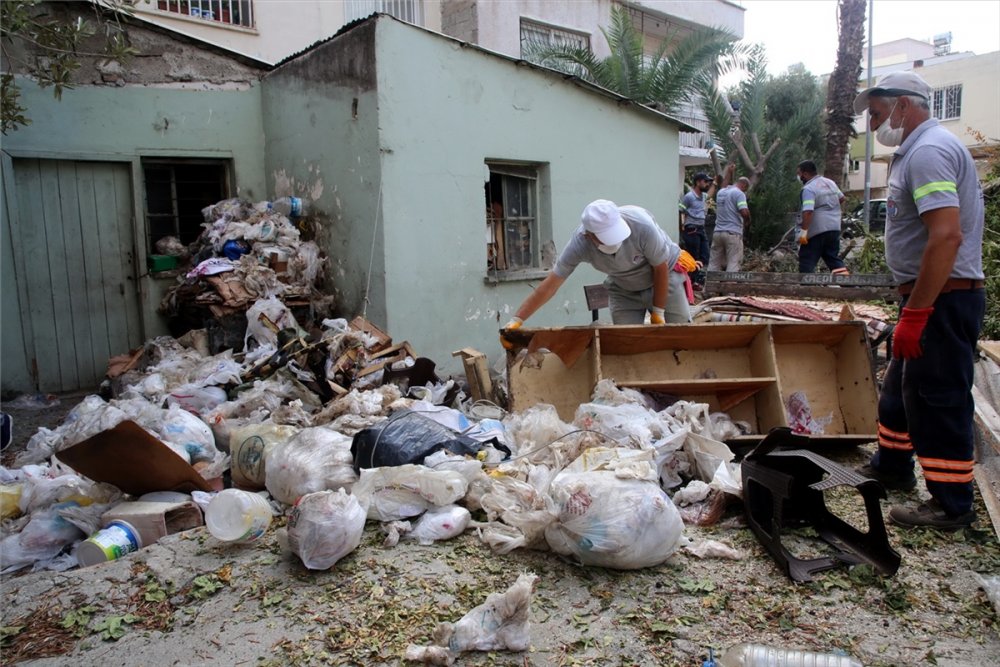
(730,391)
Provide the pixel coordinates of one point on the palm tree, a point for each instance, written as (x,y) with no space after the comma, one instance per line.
(843,87)
(670,77)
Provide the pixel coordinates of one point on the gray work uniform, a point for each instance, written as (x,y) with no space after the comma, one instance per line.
(727,242)
(630,269)
(693,208)
(822,196)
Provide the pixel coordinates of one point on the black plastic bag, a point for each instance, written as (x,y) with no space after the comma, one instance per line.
(410,437)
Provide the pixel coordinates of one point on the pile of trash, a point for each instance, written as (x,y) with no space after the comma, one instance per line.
(247,252)
(398,446)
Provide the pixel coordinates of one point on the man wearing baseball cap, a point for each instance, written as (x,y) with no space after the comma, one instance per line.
(933,246)
(638,257)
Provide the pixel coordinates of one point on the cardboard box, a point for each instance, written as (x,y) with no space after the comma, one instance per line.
(749,371)
(154,520)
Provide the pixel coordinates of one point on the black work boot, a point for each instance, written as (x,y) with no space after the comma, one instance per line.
(930,515)
(891,481)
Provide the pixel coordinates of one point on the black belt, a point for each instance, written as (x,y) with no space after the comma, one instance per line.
(952,285)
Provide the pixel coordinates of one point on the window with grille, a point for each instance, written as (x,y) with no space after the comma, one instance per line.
(411,11)
(512,225)
(536,36)
(947,102)
(229,12)
(177,191)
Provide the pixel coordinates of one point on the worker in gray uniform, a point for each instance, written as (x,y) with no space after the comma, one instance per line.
(933,244)
(819,221)
(638,257)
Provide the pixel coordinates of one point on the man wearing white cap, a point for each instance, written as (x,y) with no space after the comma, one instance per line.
(625,243)
(933,246)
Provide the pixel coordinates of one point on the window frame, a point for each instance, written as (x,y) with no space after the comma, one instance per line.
(534,176)
(946,102)
(552,31)
(214,12)
(175,215)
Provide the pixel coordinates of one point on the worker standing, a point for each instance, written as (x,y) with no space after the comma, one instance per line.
(692,212)
(934,244)
(731,215)
(819,235)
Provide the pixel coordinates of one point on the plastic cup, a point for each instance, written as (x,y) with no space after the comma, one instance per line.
(115,540)
(237,516)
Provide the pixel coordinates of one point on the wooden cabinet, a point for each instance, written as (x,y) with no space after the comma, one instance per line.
(750,371)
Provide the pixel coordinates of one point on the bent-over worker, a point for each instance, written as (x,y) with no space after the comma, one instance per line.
(638,257)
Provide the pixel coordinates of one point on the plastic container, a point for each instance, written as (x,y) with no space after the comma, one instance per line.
(291,207)
(757,655)
(115,540)
(237,516)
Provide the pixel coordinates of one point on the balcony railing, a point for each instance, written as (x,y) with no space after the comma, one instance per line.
(411,11)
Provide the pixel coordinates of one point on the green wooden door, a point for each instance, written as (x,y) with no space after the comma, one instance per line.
(69,236)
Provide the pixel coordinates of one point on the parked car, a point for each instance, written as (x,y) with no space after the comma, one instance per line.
(854,223)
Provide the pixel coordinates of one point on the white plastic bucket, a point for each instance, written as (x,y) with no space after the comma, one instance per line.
(237,516)
(115,540)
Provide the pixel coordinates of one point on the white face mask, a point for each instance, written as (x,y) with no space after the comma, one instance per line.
(609,249)
(888,135)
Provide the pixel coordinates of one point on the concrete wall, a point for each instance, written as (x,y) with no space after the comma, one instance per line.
(321,125)
(174,100)
(281,27)
(980,79)
(438,126)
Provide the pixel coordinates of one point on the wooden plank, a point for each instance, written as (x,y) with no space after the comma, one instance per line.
(123,211)
(828,293)
(636,339)
(987,477)
(701,387)
(771,278)
(112,275)
(991,348)
(88,370)
(988,422)
(17,340)
(543,378)
(33,235)
(93,257)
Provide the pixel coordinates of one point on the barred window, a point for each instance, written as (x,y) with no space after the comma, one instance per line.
(947,102)
(536,35)
(512,229)
(230,12)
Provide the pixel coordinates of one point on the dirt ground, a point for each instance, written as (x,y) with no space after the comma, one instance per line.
(192,600)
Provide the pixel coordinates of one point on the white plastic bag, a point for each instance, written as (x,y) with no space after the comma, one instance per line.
(612,516)
(399,492)
(324,527)
(439,524)
(314,459)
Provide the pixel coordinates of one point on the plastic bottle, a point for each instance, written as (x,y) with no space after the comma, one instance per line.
(757,655)
(291,207)
(237,516)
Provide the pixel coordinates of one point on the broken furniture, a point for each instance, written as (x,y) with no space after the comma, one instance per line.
(750,371)
(783,489)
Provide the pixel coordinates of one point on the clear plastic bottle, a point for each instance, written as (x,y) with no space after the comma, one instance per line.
(757,655)
(237,516)
(290,207)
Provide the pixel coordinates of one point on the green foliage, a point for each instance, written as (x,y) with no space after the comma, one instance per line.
(45,43)
(666,79)
(791,109)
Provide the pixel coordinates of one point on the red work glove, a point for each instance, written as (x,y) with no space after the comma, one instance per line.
(906,337)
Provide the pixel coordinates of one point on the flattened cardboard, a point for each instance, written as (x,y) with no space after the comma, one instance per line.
(133,460)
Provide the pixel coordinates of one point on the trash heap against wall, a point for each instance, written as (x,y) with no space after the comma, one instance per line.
(246,252)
